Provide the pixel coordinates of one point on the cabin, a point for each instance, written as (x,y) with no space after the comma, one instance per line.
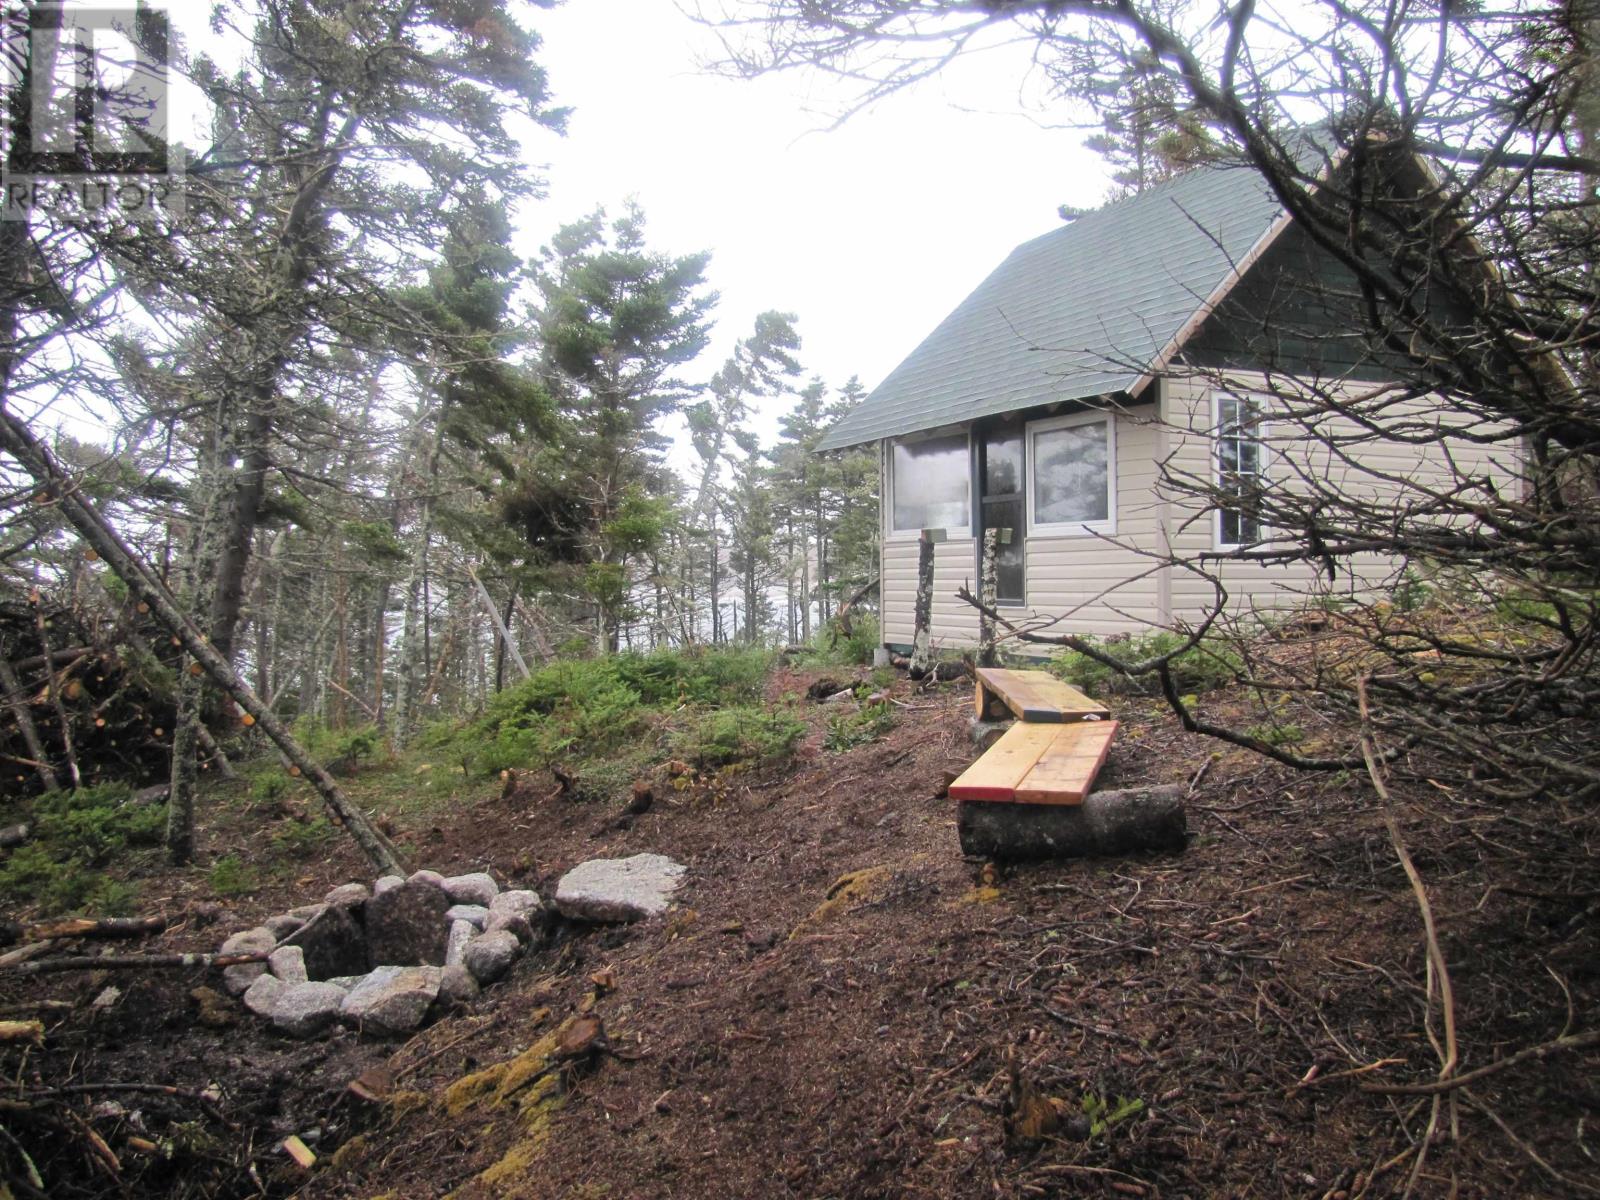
(1132,346)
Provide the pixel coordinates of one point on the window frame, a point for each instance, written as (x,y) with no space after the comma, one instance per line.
(890,533)
(1105,528)
(1263,459)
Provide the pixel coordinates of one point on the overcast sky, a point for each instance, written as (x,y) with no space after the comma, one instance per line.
(869,233)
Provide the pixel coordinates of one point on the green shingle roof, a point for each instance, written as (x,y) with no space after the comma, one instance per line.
(1077,313)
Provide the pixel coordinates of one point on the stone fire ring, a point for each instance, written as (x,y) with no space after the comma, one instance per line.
(382,959)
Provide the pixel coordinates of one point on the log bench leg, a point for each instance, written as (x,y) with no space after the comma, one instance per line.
(1106,823)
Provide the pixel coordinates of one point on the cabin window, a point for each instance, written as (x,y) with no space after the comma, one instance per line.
(1241,468)
(930,481)
(1072,488)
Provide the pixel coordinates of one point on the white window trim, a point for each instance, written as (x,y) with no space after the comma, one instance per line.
(1264,471)
(1106,528)
(890,533)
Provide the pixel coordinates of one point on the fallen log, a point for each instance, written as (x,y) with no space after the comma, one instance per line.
(1106,823)
(131,962)
(81,927)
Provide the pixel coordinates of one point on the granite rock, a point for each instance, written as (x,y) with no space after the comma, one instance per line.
(477,888)
(406,926)
(306,1009)
(288,963)
(474,914)
(619,889)
(392,999)
(490,955)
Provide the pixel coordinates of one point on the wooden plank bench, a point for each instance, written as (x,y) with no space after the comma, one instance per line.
(1035,696)
(1039,763)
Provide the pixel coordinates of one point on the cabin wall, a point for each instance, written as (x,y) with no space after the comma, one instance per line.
(1365,467)
(1080,584)
(1092,585)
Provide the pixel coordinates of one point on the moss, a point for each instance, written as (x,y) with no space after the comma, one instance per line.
(404,1103)
(849,891)
(531,1082)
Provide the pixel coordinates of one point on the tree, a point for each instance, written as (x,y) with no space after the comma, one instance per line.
(616,321)
(1496,332)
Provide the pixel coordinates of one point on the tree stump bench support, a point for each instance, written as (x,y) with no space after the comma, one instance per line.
(1030,795)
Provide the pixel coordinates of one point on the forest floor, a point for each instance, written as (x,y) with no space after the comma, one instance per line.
(1199,1024)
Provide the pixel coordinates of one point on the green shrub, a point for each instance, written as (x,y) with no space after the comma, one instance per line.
(586,708)
(95,824)
(299,839)
(268,788)
(857,646)
(75,835)
(1203,668)
(848,730)
(232,876)
(736,735)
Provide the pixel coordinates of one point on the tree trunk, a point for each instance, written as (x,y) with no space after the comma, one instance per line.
(922,637)
(17,702)
(1106,823)
(18,441)
(988,589)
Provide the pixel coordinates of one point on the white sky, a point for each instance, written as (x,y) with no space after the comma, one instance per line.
(869,233)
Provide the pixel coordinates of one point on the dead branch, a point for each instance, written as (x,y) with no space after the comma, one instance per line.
(1576,1041)
(132,962)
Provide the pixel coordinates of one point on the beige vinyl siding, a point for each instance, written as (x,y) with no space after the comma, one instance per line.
(1373,468)
(1079,584)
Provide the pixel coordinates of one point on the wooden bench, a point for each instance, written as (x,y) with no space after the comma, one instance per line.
(1035,696)
(1039,763)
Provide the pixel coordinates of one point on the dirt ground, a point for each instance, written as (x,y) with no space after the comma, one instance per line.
(1209,1023)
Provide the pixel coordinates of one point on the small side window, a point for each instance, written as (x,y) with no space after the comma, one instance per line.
(1241,468)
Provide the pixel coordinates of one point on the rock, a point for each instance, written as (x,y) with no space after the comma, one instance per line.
(288,963)
(490,955)
(238,978)
(513,923)
(461,932)
(333,944)
(346,981)
(260,940)
(429,877)
(385,882)
(457,986)
(282,925)
(477,888)
(406,926)
(306,1009)
(348,894)
(261,995)
(474,914)
(307,912)
(619,889)
(392,999)
(516,901)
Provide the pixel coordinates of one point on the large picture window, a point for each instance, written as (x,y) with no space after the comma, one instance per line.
(1241,468)
(930,482)
(1072,487)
